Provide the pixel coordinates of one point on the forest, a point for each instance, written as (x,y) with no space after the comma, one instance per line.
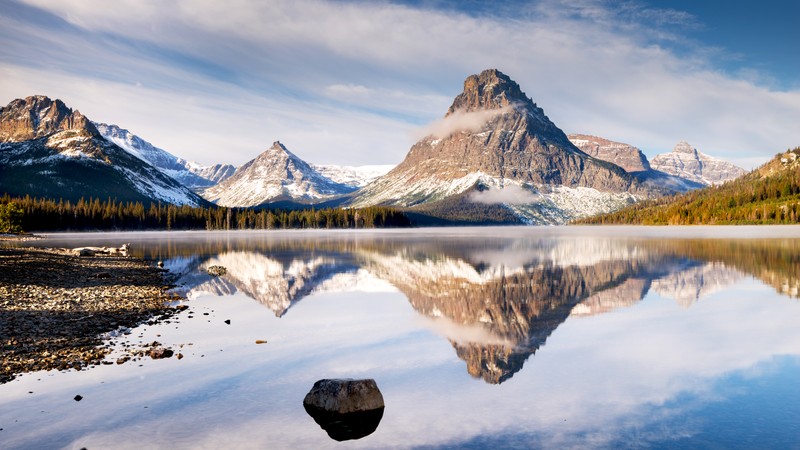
(37,214)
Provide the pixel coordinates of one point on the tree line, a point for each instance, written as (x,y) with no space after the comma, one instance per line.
(769,195)
(40,214)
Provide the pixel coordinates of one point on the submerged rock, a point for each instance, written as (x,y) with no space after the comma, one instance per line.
(345,408)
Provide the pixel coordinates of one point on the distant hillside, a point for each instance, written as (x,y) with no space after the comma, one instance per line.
(768,195)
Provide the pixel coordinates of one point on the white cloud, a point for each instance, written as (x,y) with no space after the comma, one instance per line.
(510,194)
(460,120)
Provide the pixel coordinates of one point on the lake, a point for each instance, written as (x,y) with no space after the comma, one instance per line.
(507,337)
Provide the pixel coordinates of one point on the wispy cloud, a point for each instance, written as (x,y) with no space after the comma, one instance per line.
(460,120)
(510,194)
(353,79)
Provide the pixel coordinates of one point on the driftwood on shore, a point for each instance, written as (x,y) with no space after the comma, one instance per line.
(94,251)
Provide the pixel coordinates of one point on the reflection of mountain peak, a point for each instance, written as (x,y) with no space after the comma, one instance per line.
(689,285)
(629,293)
(522,308)
(276,284)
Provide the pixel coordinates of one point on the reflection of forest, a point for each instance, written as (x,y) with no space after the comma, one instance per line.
(516,292)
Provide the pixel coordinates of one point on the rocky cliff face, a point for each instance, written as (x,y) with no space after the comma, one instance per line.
(275,175)
(626,156)
(494,137)
(686,162)
(215,174)
(39,116)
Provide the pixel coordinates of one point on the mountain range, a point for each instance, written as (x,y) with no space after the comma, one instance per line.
(495,157)
(768,195)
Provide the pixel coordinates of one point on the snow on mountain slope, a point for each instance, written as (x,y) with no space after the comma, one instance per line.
(355,176)
(275,175)
(188,173)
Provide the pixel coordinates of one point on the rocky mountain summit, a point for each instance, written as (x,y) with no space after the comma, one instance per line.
(190,174)
(686,162)
(39,116)
(626,156)
(498,147)
(49,150)
(275,175)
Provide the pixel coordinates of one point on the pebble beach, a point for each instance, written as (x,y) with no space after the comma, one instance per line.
(56,307)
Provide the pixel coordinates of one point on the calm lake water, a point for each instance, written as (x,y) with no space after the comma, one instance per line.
(576,337)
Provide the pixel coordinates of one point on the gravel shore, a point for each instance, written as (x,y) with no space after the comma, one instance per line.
(55,306)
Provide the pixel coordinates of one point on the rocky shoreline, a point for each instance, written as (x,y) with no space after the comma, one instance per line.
(55,306)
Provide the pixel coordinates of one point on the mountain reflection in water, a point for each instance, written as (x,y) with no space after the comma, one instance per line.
(496,300)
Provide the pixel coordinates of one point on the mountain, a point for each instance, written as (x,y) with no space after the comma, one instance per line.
(634,161)
(276,175)
(686,162)
(626,156)
(354,176)
(495,147)
(767,195)
(190,174)
(49,150)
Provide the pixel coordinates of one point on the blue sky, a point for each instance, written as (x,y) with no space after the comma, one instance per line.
(353,82)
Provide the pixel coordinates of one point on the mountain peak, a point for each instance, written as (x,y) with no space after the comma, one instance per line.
(684,147)
(491,89)
(38,116)
(687,162)
(274,175)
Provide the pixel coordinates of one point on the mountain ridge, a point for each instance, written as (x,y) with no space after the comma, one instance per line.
(50,150)
(190,174)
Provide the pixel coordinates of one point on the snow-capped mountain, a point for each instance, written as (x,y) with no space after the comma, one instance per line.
(49,150)
(497,149)
(276,175)
(355,176)
(686,162)
(190,174)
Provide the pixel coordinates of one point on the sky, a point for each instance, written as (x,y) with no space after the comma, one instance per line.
(354,82)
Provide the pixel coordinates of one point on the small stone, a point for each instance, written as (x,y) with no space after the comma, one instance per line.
(179,356)
(228,321)
(78,398)
(160,353)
